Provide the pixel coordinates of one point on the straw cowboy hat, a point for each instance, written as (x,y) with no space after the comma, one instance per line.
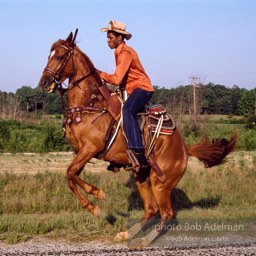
(118,27)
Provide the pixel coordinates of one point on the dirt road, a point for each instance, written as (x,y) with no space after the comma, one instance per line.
(33,163)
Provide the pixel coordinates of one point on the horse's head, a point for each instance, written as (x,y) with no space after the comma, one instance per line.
(59,66)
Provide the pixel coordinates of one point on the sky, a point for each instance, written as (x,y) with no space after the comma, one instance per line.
(175,39)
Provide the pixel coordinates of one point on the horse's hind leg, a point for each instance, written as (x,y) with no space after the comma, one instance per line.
(150,210)
(73,171)
(162,196)
(167,215)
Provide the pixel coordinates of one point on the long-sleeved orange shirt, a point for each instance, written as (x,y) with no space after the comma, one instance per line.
(129,71)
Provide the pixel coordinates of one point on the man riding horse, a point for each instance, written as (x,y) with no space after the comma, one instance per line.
(88,121)
(131,76)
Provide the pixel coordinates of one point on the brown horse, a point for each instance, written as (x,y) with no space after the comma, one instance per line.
(87,123)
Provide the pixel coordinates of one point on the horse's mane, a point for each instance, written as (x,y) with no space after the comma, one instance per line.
(87,59)
(63,42)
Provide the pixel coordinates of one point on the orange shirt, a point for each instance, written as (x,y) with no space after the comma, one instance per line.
(129,71)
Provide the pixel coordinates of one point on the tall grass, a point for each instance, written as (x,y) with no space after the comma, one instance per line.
(43,204)
(35,205)
(228,189)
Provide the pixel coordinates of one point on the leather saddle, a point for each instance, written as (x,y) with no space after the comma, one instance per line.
(154,118)
(150,116)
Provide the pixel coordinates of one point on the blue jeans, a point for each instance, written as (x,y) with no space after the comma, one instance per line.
(133,105)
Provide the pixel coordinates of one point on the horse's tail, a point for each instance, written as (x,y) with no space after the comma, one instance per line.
(213,152)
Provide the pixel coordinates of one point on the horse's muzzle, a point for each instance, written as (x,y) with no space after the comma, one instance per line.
(47,84)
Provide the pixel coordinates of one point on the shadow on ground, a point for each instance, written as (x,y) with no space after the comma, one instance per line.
(180,200)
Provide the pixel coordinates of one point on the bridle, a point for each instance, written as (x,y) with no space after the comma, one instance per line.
(56,75)
(56,78)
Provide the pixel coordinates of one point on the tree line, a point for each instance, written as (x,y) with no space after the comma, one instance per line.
(210,99)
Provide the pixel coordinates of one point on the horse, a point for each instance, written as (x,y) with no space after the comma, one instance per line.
(87,121)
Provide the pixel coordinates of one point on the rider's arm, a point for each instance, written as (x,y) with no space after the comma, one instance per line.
(124,60)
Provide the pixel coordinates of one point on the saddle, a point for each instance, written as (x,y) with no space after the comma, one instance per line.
(151,114)
(155,119)
(155,114)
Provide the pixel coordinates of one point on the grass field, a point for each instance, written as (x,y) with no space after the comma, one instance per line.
(35,199)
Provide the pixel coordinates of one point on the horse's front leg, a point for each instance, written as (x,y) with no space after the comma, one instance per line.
(78,163)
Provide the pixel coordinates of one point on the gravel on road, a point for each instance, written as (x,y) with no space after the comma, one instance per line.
(100,248)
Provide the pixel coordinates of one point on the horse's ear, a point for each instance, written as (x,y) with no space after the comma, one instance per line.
(74,38)
(69,38)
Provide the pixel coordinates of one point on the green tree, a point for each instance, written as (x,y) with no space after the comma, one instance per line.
(26,94)
(235,96)
(53,104)
(209,99)
(247,103)
(223,103)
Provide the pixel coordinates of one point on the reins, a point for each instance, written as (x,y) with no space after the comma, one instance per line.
(57,74)
(75,83)
(62,90)
(75,112)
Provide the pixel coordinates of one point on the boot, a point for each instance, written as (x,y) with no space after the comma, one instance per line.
(140,155)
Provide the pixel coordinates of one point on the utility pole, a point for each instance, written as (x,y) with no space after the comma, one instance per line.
(194,82)
(255,107)
(255,103)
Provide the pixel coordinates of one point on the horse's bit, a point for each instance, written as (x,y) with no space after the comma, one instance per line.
(57,74)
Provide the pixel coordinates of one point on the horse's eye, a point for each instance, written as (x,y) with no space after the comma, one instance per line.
(60,58)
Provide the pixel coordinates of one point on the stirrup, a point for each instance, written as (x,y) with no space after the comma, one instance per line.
(138,156)
(134,161)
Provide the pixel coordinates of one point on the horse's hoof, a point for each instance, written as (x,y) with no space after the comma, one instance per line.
(97,211)
(122,236)
(101,195)
(138,243)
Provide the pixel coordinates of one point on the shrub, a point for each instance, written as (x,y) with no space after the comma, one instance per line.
(18,138)
(54,139)
(247,140)
(251,122)
(5,134)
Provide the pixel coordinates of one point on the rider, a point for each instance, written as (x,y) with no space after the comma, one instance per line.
(129,74)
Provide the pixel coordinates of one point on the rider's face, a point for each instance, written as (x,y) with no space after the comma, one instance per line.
(113,41)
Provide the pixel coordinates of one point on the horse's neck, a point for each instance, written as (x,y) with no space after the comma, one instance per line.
(83,93)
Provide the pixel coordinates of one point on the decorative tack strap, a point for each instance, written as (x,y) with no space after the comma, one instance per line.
(69,114)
